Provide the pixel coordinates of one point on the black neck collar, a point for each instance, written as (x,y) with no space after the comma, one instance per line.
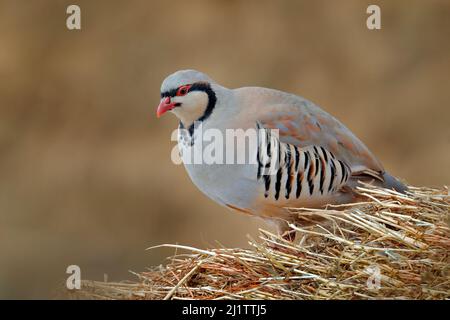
(212,99)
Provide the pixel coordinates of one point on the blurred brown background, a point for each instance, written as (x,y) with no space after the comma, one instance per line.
(85,170)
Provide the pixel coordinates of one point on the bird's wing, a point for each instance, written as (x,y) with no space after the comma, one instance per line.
(302,123)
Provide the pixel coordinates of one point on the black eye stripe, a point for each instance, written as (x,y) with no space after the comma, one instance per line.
(171,93)
(198,86)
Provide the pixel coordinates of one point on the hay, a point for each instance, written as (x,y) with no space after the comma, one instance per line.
(392,246)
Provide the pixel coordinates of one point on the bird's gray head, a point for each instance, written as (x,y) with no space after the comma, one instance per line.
(189,95)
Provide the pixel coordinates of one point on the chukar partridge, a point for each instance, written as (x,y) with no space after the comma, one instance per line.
(319,160)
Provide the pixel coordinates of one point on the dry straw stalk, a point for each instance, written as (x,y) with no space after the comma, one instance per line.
(392,246)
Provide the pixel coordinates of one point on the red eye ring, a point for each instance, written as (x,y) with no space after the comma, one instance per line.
(183,90)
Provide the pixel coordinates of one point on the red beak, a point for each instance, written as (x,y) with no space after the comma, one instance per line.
(164,106)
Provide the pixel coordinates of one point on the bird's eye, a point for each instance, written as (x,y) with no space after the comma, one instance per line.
(183,90)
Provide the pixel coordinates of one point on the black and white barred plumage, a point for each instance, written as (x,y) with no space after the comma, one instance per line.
(289,171)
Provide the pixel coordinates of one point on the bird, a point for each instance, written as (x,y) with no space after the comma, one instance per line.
(320,162)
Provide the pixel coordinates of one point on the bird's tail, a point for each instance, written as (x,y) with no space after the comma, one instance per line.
(388,181)
(391,182)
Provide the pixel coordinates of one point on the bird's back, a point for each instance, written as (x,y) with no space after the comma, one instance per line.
(302,123)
